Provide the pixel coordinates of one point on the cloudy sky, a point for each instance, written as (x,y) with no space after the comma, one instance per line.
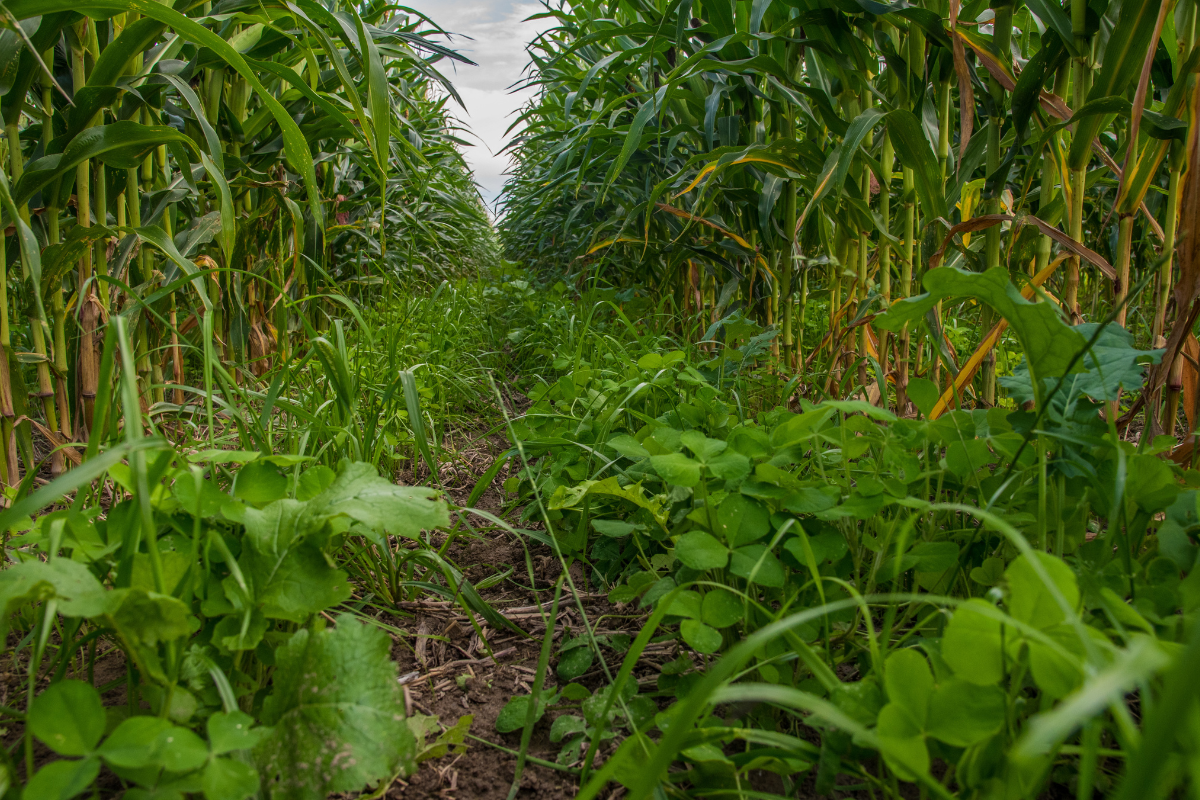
(497,44)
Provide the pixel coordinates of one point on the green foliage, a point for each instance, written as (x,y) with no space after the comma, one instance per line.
(336,712)
(247,576)
(906,590)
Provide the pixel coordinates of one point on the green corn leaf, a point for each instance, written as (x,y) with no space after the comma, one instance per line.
(1123,59)
(914,152)
(121,144)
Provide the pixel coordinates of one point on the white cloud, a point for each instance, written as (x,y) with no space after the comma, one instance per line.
(498,35)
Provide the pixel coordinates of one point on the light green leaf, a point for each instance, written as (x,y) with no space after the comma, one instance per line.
(990,572)
(227,779)
(757,564)
(902,743)
(337,713)
(628,446)
(573,497)
(962,714)
(1030,598)
(566,725)
(720,609)
(134,743)
(288,575)
(909,684)
(68,717)
(573,663)
(359,493)
(62,780)
(512,716)
(1132,667)
(686,603)
(232,731)
(1050,344)
(701,446)
(700,637)
(972,646)
(699,550)
(729,466)
(78,593)
(677,469)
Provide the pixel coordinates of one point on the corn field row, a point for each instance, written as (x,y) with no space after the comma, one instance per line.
(223,177)
(811,162)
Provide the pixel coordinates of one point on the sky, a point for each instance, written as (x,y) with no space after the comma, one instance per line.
(497,44)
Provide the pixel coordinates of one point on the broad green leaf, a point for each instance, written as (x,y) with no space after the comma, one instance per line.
(451,740)
(76,590)
(901,742)
(566,725)
(1050,345)
(720,608)
(147,618)
(990,572)
(963,713)
(174,566)
(287,572)
(628,446)
(360,493)
(259,483)
(965,458)
(801,427)
(337,714)
(972,644)
(1112,365)
(1175,535)
(1030,598)
(729,466)
(232,731)
(741,520)
(614,528)
(512,716)
(134,743)
(1131,667)
(700,637)
(810,500)
(757,564)
(64,779)
(909,684)
(1057,674)
(241,631)
(228,779)
(677,469)
(924,393)
(699,550)
(573,497)
(687,603)
(573,663)
(179,750)
(701,446)
(68,717)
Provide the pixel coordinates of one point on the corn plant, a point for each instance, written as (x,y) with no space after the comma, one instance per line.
(225,177)
(790,157)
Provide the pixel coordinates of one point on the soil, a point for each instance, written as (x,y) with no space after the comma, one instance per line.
(447,670)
